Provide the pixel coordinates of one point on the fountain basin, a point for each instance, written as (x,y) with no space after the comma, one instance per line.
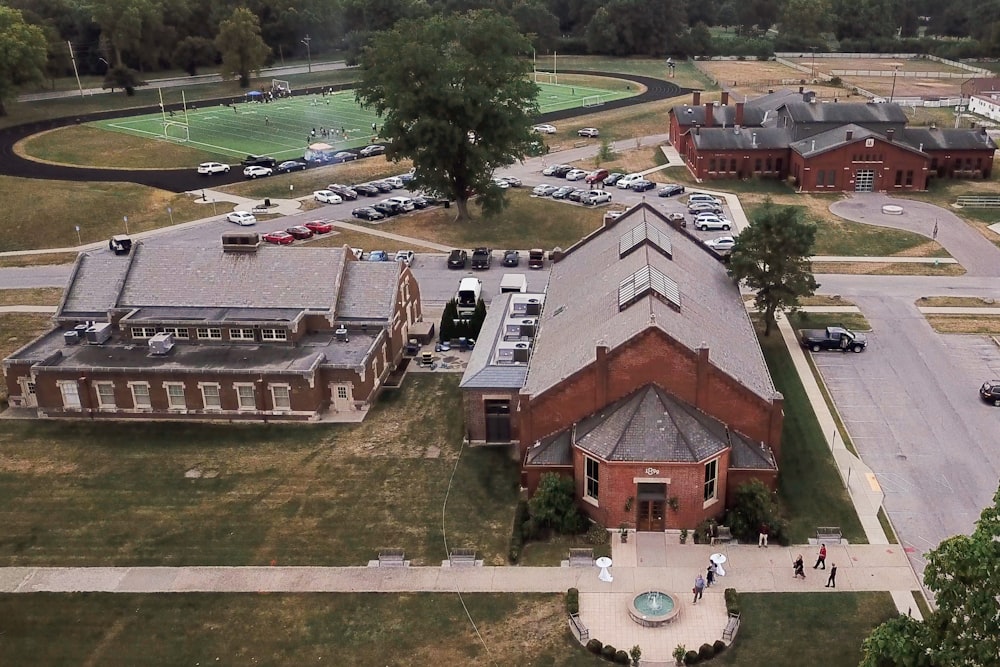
(653,609)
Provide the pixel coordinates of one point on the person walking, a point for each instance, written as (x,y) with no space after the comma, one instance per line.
(699,588)
(710,575)
(831,582)
(798,568)
(762,534)
(821,559)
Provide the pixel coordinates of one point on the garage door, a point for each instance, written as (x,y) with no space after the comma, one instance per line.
(864,180)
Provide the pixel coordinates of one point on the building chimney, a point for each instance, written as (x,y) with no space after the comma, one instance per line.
(739,114)
(889,134)
(697,130)
(849,135)
(801,89)
(695,98)
(754,139)
(725,98)
(709,114)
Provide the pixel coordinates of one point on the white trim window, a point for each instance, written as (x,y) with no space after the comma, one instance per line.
(342,392)
(175,395)
(241,334)
(209,334)
(211,397)
(592,478)
(246,396)
(70,391)
(273,334)
(143,332)
(180,333)
(105,394)
(711,491)
(140,394)
(281,397)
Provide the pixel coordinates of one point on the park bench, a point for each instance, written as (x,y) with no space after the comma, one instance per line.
(462,557)
(979,201)
(722,535)
(258,209)
(732,627)
(829,534)
(579,629)
(581,557)
(391,558)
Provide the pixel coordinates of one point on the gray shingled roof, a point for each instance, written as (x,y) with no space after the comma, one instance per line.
(948,139)
(369,290)
(749,455)
(688,115)
(650,425)
(555,450)
(747,138)
(837,137)
(772,101)
(94,284)
(480,373)
(581,308)
(844,113)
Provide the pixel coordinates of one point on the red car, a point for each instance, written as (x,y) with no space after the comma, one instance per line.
(281,238)
(300,232)
(319,227)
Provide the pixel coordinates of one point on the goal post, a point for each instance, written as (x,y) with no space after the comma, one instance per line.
(593,101)
(280,87)
(546,77)
(175,131)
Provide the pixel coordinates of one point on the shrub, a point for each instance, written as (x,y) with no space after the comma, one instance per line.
(514,554)
(836,81)
(621,658)
(691,658)
(595,646)
(706,652)
(703,532)
(553,506)
(719,646)
(732,601)
(608,652)
(598,534)
(754,504)
(573,601)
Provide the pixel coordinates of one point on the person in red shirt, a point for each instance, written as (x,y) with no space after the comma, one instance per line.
(821,560)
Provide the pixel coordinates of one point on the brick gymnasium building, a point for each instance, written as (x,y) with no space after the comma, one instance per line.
(637,373)
(823,147)
(237,333)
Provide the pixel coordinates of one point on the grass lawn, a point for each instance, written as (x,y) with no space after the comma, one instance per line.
(340,237)
(87,144)
(40,296)
(888,269)
(804,320)
(965,324)
(809,484)
(80,494)
(955,302)
(300,183)
(45,259)
(287,629)
(796,629)
(556,549)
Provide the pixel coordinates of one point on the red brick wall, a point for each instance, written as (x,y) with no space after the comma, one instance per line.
(475,412)
(700,163)
(946,162)
(884,157)
(737,478)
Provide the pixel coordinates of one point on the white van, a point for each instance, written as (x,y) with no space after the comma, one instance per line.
(626,181)
(469,291)
(513,282)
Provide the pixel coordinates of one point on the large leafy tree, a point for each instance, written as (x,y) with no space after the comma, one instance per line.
(22,53)
(243,50)
(964,630)
(772,257)
(125,23)
(629,27)
(455,97)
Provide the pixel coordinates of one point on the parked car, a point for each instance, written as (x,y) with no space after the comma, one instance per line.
(626,181)
(378,256)
(257,172)
(421,201)
(553,168)
(677,217)
(381,186)
(596,176)
(613,178)
(544,190)
(366,190)
(209,168)
(374,149)
(458,259)
(702,197)
(641,185)
(594,197)
(358,252)
(327,197)
(395,181)
(387,208)
(576,175)
(536,258)
(563,192)
(279,238)
(545,129)
(591,132)
(300,232)
(704,207)
(511,258)
(346,193)
(721,244)
(990,392)
(289,166)
(241,218)
(259,161)
(576,195)
(367,213)
(405,203)
(712,223)
(512,181)
(482,258)
(671,189)
(500,183)
(407,178)
(833,338)
(404,256)
(344,156)
(319,226)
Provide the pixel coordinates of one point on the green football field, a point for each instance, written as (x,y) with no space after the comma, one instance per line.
(283,128)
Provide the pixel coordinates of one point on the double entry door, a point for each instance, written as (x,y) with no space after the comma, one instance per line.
(652,507)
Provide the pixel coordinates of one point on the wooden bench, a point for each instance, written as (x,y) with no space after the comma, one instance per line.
(256,210)
(979,201)
(829,534)
(732,627)
(391,558)
(722,535)
(580,630)
(581,558)
(462,557)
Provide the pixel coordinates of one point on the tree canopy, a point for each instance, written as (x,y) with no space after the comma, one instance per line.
(772,257)
(963,572)
(455,97)
(243,50)
(22,53)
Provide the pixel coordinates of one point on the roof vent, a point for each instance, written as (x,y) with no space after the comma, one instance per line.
(813,146)
(240,242)
(341,334)
(161,344)
(753,138)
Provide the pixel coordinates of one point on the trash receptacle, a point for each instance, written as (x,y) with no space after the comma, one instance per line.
(267,203)
(447,204)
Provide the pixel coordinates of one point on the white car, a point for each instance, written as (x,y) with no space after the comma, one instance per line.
(626,181)
(327,197)
(406,203)
(358,252)
(588,132)
(395,181)
(545,129)
(544,190)
(404,256)
(553,168)
(594,197)
(721,244)
(713,223)
(257,172)
(241,218)
(501,183)
(576,175)
(209,168)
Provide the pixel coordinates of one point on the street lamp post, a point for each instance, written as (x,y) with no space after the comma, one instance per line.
(892,91)
(812,71)
(306,41)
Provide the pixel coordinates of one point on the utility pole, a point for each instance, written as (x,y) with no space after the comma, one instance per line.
(306,41)
(72,58)
(892,92)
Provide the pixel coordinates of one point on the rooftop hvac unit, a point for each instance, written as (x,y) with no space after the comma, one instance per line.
(513,353)
(341,334)
(161,344)
(81,330)
(71,337)
(99,333)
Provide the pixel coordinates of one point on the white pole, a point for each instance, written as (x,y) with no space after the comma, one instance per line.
(185,105)
(555,68)
(72,58)
(163,112)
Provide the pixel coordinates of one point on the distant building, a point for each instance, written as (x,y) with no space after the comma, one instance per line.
(986,104)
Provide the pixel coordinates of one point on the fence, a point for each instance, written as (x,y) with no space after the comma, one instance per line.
(889,56)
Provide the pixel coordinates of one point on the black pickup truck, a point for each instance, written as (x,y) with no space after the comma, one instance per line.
(482,258)
(833,338)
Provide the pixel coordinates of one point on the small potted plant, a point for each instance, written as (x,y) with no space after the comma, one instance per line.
(623,532)
(679,652)
(684,535)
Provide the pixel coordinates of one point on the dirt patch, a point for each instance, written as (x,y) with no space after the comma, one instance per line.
(827,65)
(965,324)
(879,269)
(955,302)
(818,300)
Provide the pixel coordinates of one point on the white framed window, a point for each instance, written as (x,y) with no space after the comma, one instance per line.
(105,394)
(180,333)
(342,392)
(175,395)
(273,334)
(711,481)
(281,397)
(70,394)
(209,334)
(143,332)
(140,394)
(210,396)
(241,334)
(592,477)
(246,397)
